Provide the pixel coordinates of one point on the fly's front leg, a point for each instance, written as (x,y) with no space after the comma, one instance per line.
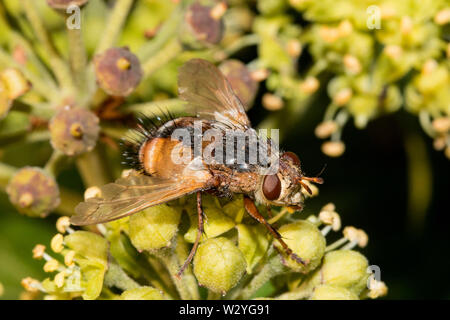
(250,206)
(200,231)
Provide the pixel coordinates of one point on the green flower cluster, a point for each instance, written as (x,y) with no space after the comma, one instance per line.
(138,257)
(374,57)
(72,78)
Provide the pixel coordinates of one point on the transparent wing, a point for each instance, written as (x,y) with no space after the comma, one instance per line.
(130,195)
(209,94)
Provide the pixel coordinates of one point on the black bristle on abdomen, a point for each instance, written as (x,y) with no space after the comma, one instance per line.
(147,128)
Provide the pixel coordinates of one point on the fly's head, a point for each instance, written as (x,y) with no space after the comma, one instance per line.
(285,187)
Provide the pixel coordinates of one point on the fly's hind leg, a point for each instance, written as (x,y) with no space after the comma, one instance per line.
(253,211)
(200,231)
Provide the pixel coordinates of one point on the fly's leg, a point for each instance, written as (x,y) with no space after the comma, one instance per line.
(269,212)
(200,230)
(253,211)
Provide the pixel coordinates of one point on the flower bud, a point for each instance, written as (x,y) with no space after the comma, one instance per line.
(306,241)
(294,48)
(439,143)
(118,71)
(326,129)
(343,96)
(92,192)
(202,25)
(271,7)
(376,288)
(74,131)
(142,293)
(441,124)
(310,85)
(272,102)
(333,148)
(447,152)
(219,264)
(240,80)
(343,268)
(326,292)
(352,64)
(64,4)
(154,227)
(33,192)
(442,17)
(345,28)
(5,101)
(15,83)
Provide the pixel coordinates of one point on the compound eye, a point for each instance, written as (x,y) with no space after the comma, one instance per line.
(271,187)
(292,157)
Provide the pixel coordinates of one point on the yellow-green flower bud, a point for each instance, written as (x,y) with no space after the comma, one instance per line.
(271,7)
(33,192)
(143,293)
(219,264)
(91,255)
(343,268)
(5,101)
(306,241)
(15,82)
(326,292)
(154,227)
(74,131)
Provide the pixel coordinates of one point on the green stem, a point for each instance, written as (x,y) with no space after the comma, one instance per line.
(302,292)
(53,165)
(242,42)
(182,252)
(167,31)
(114,24)
(92,169)
(213,295)
(272,268)
(6,172)
(336,244)
(58,65)
(166,54)
(170,260)
(42,87)
(116,277)
(69,200)
(20,41)
(77,56)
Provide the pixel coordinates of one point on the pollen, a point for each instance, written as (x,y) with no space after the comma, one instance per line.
(38,251)
(57,243)
(62,224)
(51,265)
(69,258)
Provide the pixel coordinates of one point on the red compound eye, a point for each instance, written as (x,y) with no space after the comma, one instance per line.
(271,187)
(292,157)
